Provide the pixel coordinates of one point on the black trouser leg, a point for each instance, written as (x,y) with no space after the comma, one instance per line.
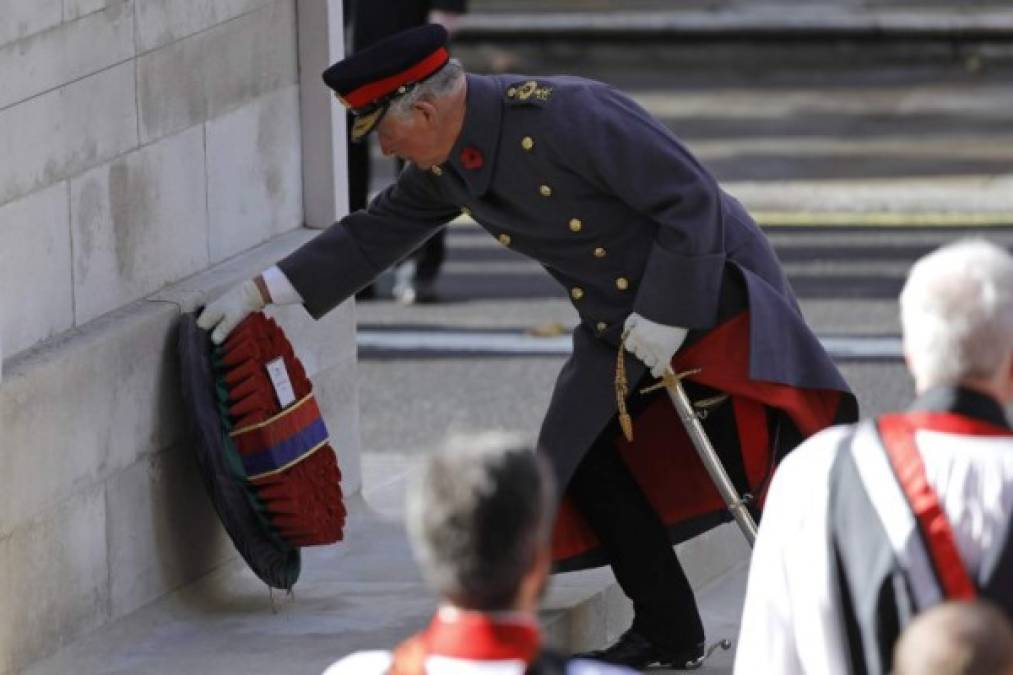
(429,257)
(607,495)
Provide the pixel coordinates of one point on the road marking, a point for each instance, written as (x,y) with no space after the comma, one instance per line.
(884,219)
(521,344)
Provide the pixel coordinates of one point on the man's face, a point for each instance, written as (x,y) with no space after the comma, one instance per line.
(414,138)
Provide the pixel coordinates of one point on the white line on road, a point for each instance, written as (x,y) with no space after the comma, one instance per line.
(470,342)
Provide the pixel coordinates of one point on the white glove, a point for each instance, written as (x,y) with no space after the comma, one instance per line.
(226,312)
(654,343)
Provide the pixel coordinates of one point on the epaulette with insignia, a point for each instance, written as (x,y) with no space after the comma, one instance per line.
(528,92)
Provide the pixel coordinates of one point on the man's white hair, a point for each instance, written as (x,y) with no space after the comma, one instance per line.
(957,313)
(444,81)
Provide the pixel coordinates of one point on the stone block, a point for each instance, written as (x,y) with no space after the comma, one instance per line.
(54,570)
(160,22)
(191,293)
(75,9)
(211,73)
(75,49)
(325,163)
(163,531)
(138,223)
(254,173)
(36,289)
(80,409)
(61,133)
(21,18)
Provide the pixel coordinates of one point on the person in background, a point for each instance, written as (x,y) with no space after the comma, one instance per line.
(867,525)
(479,518)
(371,21)
(956,638)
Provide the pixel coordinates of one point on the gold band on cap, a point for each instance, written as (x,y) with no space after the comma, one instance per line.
(363,124)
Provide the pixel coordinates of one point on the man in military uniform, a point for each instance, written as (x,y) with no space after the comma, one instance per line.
(577,176)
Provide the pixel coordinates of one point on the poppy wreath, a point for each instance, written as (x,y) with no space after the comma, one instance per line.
(284,453)
(268,511)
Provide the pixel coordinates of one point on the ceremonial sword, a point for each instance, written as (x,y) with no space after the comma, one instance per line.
(690,419)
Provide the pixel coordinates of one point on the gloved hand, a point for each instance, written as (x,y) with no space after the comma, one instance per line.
(227,311)
(653,343)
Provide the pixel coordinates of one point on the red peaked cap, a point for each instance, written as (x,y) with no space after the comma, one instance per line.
(367,81)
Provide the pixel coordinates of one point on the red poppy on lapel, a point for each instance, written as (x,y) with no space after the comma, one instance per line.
(471,158)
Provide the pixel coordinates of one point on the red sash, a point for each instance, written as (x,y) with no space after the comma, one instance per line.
(472,636)
(898,435)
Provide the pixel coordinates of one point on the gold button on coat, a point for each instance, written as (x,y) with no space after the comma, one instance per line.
(601,327)
(576,225)
(437,170)
(527,142)
(545,191)
(622,283)
(599,252)
(576,292)
(504,239)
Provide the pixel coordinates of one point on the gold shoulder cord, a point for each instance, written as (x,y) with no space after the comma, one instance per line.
(622,390)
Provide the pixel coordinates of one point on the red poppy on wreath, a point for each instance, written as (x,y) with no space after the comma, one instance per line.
(471,158)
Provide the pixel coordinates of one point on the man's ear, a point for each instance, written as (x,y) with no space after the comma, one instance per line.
(427,110)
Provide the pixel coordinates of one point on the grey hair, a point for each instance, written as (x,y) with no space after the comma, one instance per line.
(477,517)
(442,82)
(957,313)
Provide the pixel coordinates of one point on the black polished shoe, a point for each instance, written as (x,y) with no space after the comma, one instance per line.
(635,650)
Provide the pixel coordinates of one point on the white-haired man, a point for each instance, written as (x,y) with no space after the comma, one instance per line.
(479,519)
(866,525)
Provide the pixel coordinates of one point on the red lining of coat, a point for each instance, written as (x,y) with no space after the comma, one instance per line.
(661,456)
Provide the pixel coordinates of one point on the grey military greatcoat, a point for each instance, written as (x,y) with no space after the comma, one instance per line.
(579,177)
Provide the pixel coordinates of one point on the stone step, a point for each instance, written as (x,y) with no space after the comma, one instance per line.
(363,593)
(800,18)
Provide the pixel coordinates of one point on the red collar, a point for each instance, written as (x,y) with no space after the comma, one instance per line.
(952,423)
(481,637)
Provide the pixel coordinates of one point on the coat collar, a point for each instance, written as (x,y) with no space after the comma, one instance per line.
(961,401)
(473,156)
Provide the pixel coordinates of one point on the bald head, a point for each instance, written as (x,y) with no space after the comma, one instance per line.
(956,638)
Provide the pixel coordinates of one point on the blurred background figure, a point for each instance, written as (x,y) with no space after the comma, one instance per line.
(956,638)
(866,525)
(414,278)
(479,518)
